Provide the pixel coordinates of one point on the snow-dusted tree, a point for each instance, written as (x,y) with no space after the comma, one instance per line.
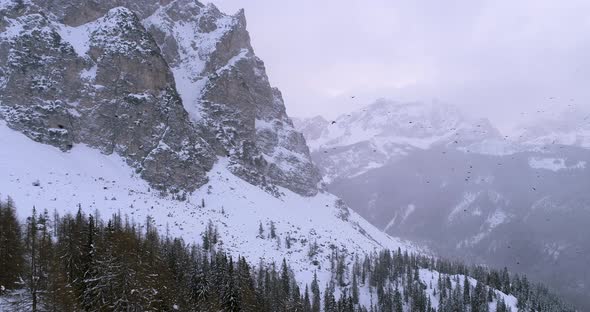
(273,230)
(12,260)
(260,230)
(315,294)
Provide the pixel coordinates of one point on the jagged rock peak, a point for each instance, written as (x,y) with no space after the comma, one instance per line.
(169,85)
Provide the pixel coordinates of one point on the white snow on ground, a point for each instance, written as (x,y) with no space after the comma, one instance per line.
(554,249)
(408,211)
(14,29)
(491,222)
(89,74)
(496,219)
(104,183)
(370,166)
(468,199)
(5,3)
(390,223)
(78,37)
(431,278)
(554,164)
(233,61)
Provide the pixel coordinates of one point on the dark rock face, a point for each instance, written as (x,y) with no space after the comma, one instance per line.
(237,111)
(118,97)
(168,85)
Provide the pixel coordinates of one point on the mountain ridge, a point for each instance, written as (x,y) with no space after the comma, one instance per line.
(200,95)
(506,201)
(161,109)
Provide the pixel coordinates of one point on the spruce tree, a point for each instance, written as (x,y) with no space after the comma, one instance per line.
(466,291)
(12,260)
(306,301)
(315,294)
(397,301)
(273,230)
(260,230)
(32,250)
(355,289)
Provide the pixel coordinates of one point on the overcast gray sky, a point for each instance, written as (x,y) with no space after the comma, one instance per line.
(495,58)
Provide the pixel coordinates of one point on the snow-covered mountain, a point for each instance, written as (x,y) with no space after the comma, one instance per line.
(161,108)
(40,175)
(169,86)
(386,130)
(415,124)
(425,173)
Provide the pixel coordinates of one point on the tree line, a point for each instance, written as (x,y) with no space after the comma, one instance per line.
(79,262)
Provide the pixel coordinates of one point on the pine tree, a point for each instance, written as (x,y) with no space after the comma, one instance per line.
(466,291)
(206,240)
(273,229)
(501,306)
(355,289)
(12,260)
(45,255)
(505,278)
(313,249)
(285,280)
(340,269)
(32,250)
(288,241)
(260,230)
(121,267)
(315,294)
(306,301)
(397,301)
(329,299)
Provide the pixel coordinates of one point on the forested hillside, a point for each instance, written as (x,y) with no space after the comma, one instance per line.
(82,263)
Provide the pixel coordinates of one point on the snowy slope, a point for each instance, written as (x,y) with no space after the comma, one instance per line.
(104,183)
(430,278)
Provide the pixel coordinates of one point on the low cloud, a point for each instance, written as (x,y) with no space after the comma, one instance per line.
(495,59)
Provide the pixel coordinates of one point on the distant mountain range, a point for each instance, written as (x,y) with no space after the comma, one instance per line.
(425,172)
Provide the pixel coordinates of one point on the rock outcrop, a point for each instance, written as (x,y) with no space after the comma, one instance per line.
(171,86)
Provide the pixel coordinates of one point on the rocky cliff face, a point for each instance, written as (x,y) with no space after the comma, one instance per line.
(169,85)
